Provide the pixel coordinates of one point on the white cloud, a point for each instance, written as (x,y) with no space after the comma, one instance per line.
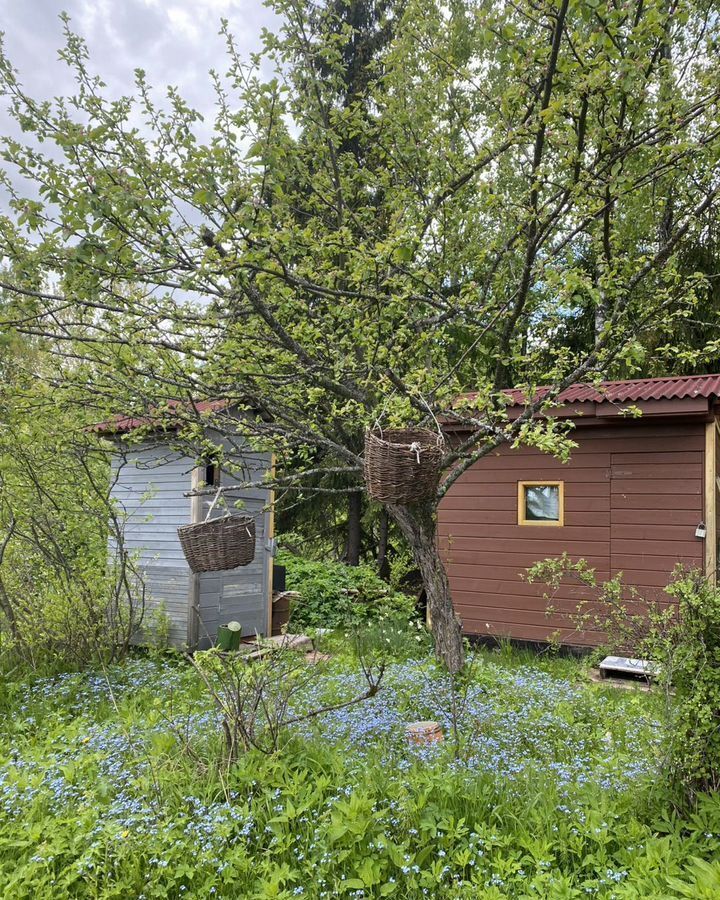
(175,41)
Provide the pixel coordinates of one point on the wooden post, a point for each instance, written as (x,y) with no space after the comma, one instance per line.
(269,536)
(423,732)
(193,607)
(710,503)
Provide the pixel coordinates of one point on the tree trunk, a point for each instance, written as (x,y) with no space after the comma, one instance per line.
(418,525)
(601,316)
(5,603)
(383,564)
(354,533)
(7,609)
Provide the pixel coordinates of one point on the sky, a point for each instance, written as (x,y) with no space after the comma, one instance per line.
(175,41)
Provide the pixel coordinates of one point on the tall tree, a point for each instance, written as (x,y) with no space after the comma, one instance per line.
(359,33)
(325,290)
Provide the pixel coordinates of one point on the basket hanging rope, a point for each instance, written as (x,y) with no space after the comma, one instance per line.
(402,465)
(217,545)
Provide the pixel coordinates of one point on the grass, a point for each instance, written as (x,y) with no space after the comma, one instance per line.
(556,791)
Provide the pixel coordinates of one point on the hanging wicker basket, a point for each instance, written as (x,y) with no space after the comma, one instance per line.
(402,465)
(219,544)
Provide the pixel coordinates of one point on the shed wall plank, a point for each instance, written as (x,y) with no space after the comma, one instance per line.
(633,496)
(150,483)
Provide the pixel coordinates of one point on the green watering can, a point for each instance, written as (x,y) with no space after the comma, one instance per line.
(228,636)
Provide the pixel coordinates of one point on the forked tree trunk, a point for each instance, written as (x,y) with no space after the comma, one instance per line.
(418,525)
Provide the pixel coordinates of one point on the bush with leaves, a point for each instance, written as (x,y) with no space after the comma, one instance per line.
(63,604)
(333,595)
(681,639)
(256,695)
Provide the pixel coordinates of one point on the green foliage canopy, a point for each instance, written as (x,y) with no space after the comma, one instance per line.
(517,163)
(506,147)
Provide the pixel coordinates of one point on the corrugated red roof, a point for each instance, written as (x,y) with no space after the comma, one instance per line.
(161,419)
(639,389)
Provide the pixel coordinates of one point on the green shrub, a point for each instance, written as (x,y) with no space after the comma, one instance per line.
(682,639)
(333,595)
(690,648)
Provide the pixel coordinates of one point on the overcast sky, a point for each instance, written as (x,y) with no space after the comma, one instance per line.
(175,41)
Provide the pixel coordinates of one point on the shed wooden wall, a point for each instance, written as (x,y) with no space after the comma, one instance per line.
(150,483)
(633,498)
(242,594)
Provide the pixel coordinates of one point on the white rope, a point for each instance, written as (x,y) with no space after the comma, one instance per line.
(218,495)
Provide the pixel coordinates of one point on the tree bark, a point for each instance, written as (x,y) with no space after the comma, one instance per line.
(383,564)
(418,525)
(354,531)
(7,609)
(601,317)
(5,602)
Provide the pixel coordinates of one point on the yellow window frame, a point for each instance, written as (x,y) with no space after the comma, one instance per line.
(521,505)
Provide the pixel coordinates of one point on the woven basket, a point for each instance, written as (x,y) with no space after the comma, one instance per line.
(219,544)
(402,465)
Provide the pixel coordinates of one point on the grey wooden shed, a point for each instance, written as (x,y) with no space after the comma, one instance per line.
(151,481)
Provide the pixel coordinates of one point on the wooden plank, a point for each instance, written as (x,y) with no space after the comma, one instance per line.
(168,523)
(507,572)
(643,531)
(646,579)
(482,518)
(464,504)
(642,517)
(657,548)
(477,478)
(481,502)
(511,616)
(710,494)
(659,457)
(641,471)
(530,547)
(163,541)
(679,443)
(501,629)
(497,487)
(162,478)
(270,533)
(573,502)
(511,559)
(650,503)
(504,580)
(193,595)
(645,431)
(167,504)
(498,497)
(513,460)
(465,602)
(637,486)
(512,587)
(656,407)
(646,562)
(477,531)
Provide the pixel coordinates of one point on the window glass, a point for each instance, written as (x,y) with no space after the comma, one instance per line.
(212,474)
(542,503)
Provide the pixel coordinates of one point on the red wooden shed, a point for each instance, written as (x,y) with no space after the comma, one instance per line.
(630,499)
